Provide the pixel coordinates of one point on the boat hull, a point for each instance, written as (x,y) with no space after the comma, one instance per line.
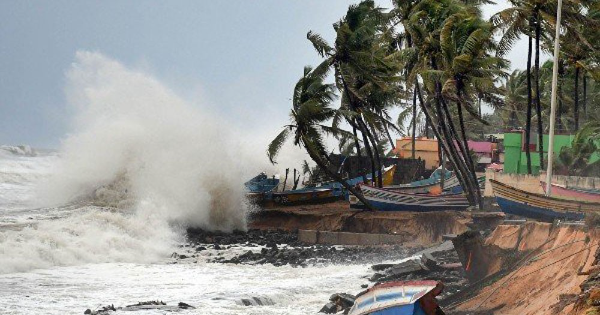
(524,210)
(450,183)
(573,194)
(393,298)
(537,206)
(387,200)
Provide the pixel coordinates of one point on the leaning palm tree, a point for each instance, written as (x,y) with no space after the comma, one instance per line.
(310,110)
(365,73)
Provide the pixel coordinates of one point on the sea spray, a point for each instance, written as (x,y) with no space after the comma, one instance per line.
(141,163)
(173,155)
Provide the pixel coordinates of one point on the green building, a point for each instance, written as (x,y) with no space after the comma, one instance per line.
(515,158)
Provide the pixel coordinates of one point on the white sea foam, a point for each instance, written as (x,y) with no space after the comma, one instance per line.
(136,145)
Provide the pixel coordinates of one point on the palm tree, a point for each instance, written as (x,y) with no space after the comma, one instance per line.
(468,69)
(576,160)
(426,24)
(310,110)
(535,19)
(365,74)
(515,98)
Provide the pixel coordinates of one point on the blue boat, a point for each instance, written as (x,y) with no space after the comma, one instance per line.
(398,298)
(537,206)
(261,183)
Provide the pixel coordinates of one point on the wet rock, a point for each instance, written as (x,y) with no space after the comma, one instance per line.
(257,301)
(343,300)
(184,306)
(329,308)
(88,311)
(428,261)
(364,286)
(200,248)
(380,267)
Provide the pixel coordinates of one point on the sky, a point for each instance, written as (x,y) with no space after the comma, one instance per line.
(240,57)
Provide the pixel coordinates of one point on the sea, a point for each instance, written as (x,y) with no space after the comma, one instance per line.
(95,221)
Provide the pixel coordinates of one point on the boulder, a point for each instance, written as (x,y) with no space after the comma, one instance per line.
(329,308)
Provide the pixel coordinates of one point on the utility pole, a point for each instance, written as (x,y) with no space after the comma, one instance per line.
(553,101)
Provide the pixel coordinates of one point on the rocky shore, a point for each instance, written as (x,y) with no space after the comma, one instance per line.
(279,248)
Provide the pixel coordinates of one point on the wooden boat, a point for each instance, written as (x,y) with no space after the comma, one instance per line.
(396,298)
(573,193)
(537,206)
(426,185)
(388,200)
(261,183)
(303,196)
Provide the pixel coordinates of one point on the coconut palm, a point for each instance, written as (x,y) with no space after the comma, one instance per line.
(515,99)
(310,111)
(365,74)
(576,160)
(534,19)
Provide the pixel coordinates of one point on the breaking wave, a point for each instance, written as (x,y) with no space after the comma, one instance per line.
(140,162)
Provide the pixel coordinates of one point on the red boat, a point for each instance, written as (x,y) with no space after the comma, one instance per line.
(571,193)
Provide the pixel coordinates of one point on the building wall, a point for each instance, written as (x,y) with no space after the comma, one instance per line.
(426,149)
(515,158)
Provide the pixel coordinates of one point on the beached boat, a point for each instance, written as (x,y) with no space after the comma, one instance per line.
(261,183)
(303,196)
(427,185)
(573,193)
(388,200)
(537,206)
(398,298)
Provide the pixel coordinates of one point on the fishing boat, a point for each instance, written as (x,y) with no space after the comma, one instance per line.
(573,193)
(261,183)
(303,196)
(398,298)
(537,206)
(389,200)
(426,185)
(457,189)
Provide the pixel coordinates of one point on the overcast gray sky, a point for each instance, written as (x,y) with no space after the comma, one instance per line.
(241,57)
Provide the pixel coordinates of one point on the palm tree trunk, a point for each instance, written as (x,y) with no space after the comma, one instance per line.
(446,147)
(369,151)
(529,105)
(469,176)
(361,170)
(451,137)
(584,94)
(414,124)
(376,180)
(576,99)
(449,144)
(319,161)
(561,71)
(389,136)
(538,102)
(468,156)
(296,180)
(287,171)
